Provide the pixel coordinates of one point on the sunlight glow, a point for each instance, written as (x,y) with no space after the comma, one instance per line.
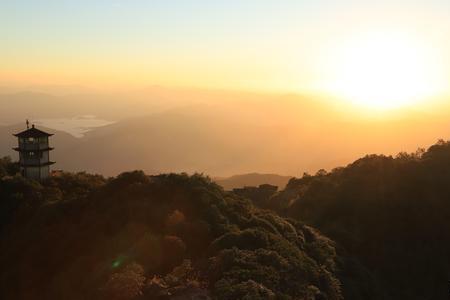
(385,71)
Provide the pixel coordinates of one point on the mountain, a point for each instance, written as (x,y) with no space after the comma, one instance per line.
(220,133)
(252,179)
(375,229)
(215,139)
(80,236)
(391,214)
(46,102)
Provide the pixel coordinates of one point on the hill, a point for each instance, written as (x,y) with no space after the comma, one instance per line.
(389,213)
(217,133)
(252,179)
(47,102)
(81,236)
(144,237)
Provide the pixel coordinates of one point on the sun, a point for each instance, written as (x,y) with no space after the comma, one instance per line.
(384,71)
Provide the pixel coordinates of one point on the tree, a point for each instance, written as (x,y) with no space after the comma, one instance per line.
(126,284)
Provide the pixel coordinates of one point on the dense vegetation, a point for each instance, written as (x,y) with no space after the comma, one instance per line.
(389,215)
(80,236)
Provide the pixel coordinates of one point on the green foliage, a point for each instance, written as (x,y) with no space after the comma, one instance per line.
(80,236)
(260,195)
(389,215)
(8,167)
(124,285)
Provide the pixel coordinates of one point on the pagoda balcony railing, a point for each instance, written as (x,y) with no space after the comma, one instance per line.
(33,161)
(33,146)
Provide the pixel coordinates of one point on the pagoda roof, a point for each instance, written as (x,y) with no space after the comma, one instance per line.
(32,132)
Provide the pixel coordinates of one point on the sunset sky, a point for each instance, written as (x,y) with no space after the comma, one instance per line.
(375,53)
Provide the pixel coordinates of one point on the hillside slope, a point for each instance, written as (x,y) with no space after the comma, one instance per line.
(221,135)
(390,213)
(80,236)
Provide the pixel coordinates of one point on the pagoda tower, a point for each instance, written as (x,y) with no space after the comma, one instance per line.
(34,152)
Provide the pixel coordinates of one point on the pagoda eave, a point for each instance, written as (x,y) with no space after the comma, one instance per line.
(18,149)
(38,164)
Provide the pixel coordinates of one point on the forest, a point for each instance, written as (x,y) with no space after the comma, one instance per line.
(390,218)
(81,236)
(377,228)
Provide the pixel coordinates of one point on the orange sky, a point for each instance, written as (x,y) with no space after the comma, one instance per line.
(381,55)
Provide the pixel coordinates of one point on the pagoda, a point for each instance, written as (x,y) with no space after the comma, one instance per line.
(34,152)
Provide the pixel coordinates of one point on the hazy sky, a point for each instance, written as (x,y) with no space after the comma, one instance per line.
(251,44)
(378,66)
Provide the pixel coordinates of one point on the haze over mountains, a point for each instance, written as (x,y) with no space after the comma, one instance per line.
(219,133)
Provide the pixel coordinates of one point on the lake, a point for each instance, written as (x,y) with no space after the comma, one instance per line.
(76,126)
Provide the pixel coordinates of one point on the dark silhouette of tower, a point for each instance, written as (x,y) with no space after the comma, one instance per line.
(34,152)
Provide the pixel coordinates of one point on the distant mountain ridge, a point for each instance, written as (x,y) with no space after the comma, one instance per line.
(252,179)
(163,131)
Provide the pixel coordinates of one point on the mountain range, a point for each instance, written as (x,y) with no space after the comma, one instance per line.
(218,133)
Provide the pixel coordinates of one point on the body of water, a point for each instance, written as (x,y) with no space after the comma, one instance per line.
(76,126)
